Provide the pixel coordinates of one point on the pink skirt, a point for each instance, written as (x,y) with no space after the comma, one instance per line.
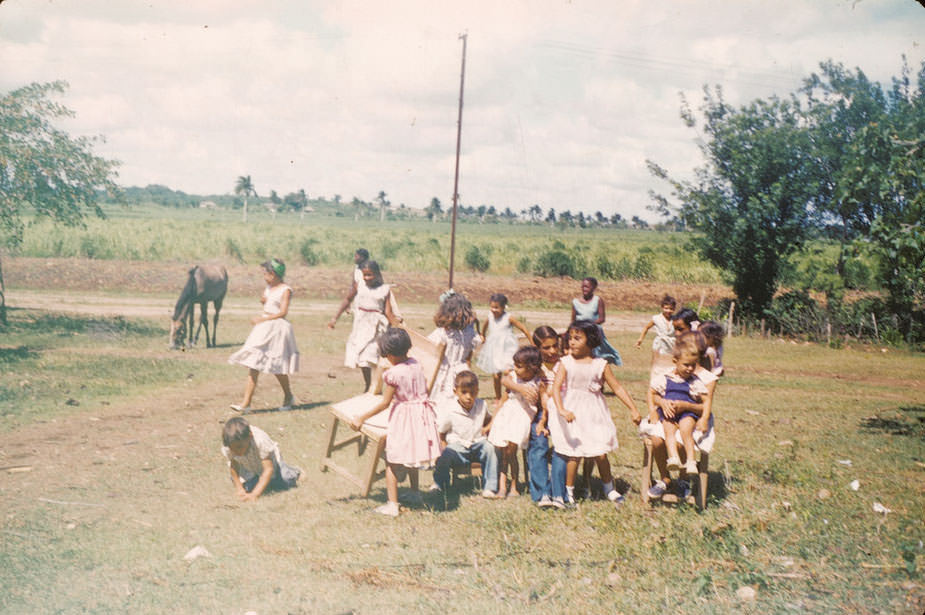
(412,438)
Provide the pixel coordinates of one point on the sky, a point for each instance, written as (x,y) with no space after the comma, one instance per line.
(564,100)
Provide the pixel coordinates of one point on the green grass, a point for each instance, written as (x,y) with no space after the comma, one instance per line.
(102,524)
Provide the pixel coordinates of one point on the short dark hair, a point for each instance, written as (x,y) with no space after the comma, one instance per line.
(590,330)
(363,253)
(499,299)
(455,312)
(236,429)
(529,356)
(669,300)
(590,279)
(687,315)
(713,332)
(394,341)
(374,267)
(466,378)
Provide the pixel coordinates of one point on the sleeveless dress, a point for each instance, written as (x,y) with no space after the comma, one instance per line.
(412,439)
(271,347)
(592,433)
(369,322)
(460,344)
(703,441)
(664,335)
(511,424)
(588,311)
(500,345)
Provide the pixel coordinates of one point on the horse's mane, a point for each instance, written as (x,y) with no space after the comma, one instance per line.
(185,302)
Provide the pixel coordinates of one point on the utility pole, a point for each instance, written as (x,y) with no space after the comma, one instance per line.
(462,81)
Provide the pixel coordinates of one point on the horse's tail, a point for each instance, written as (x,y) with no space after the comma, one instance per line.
(185,302)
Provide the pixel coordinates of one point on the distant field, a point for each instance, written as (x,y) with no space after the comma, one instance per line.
(188,235)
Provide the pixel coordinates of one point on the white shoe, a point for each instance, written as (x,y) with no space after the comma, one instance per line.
(615,496)
(690,467)
(435,488)
(241,409)
(389,509)
(674,464)
(559,503)
(545,502)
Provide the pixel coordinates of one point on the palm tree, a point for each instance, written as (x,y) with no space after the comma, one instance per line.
(383,204)
(245,187)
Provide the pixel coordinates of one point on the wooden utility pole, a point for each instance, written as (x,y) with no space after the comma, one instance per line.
(462,81)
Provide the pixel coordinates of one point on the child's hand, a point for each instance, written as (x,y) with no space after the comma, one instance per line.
(256,319)
(542,430)
(331,323)
(653,416)
(248,497)
(668,408)
(568,416)
(356,424)
(703,424)
(486,429)
(531,393)
(637,418)
(638,344)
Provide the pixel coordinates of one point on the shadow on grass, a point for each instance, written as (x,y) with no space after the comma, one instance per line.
(908,421)
(311,406)
(17,354)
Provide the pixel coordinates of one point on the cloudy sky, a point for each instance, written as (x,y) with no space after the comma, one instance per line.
(564,99)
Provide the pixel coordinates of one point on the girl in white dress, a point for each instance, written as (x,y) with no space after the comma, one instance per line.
(372,315)
(457,330)
(500,344)
(581,426)
(663,344)
(270,348)
(510,425)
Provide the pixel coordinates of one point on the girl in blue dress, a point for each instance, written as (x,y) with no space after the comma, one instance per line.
(590,307)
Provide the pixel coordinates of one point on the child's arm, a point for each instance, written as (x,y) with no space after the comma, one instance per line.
(283,310)
(542,428)
(557,395)
(703,423)
(394,320)
(516,323)
(601,315)
(642,335)
(266,475)
(387,396)
(489,419)
(621,394)
(527,390)
(236,480)
(344,304)
(652,404)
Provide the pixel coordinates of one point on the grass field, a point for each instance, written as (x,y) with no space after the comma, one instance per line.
(110,473)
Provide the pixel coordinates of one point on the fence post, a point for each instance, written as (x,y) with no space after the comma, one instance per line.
(876,332)
(732,307)
(828,334)
(762,327)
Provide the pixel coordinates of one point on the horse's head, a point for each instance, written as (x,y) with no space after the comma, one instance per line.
(177,334)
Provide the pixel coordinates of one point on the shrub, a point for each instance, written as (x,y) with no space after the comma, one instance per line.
(233,251)
(476,260)
(524,265)
(307,251)
(795,312)
(555,263)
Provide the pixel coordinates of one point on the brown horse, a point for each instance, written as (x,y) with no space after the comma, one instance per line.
(205,283)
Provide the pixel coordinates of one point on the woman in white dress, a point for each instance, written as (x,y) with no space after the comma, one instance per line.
(271,347)
(373,314)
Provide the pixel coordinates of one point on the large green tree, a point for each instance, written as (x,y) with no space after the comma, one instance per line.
(752,200)
(43,170)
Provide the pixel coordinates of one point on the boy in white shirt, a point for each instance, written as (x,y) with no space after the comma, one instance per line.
(461,422)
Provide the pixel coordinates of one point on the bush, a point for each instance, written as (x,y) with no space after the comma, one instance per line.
(476,260)
(524,265)
(554,263)
(795,312)
(233,251)
(307,251)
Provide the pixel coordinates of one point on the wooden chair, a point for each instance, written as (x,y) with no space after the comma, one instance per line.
(373,431)
(703,474)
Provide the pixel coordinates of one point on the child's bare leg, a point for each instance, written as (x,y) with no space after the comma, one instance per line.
(587,471)
(496,380)
(515,467)
(686,426)
(670,443)
(391,483)
(413,478)
(603,466)
(283,380)
(367,376)
(250,387)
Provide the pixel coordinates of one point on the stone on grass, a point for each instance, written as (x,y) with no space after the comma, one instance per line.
(196,552)
(746,593)
(823,494)
(855,485)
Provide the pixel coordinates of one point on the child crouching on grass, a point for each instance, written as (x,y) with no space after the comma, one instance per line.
(254,460)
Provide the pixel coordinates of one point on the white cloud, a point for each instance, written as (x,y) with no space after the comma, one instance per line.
(564,100)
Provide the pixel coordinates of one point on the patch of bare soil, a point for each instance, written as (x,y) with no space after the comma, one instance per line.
(74,274)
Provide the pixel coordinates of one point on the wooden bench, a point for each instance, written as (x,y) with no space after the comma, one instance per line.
(373,432)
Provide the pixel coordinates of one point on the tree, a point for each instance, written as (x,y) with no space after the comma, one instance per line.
(43,169)
(245,187)
(434,210)
(752,200)
(383,204)
(536,213)
(551,216)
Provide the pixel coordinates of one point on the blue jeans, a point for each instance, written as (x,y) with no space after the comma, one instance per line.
(456,455)
(539,455)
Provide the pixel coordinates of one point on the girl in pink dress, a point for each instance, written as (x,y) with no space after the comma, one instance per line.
(412,440)
(581,425)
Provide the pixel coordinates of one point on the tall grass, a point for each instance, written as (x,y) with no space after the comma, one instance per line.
(166,234)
